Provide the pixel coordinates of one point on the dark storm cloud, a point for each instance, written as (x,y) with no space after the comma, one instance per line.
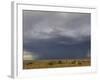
(52,33)
(52,50)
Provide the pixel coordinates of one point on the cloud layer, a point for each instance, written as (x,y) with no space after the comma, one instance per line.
(48,25)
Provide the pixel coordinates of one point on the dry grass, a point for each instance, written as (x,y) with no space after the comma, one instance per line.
(36,64)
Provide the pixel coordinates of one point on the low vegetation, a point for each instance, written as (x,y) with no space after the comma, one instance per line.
(29,64)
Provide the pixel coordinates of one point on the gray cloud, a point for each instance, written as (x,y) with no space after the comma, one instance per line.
(50,25)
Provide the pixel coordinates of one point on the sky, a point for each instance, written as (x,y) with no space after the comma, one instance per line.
(56,35)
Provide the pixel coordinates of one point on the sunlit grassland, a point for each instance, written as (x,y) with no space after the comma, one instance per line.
(36,64)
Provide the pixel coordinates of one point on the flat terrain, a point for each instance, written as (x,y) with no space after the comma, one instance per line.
(36,64)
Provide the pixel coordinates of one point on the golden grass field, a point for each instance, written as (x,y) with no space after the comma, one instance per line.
(36,64)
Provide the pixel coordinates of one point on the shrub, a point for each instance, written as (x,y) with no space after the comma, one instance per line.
(59,62)
(50,63)
(73,62)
